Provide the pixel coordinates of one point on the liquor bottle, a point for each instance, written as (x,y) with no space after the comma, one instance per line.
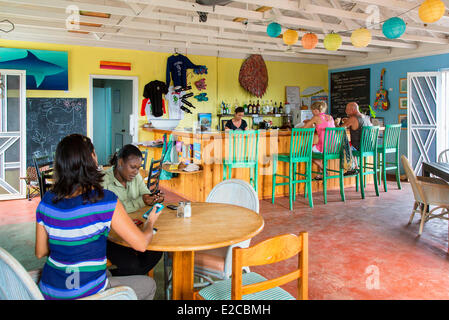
(281,110)
(250,107)
(271,107)
(258,107)
(245,108)
(275,111)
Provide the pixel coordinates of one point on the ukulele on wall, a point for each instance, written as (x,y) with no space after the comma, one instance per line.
(382,95)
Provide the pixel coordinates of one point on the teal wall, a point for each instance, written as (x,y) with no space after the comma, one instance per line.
(396,70)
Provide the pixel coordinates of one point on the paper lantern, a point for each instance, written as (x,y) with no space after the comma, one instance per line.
(431,11)
(290,37)
(274,29)
(332,41)
(361,38)
(393,28)
(309,40)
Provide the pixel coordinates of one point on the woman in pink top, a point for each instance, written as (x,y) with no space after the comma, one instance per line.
(320,121)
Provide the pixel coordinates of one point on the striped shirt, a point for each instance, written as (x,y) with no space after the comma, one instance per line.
(77,234)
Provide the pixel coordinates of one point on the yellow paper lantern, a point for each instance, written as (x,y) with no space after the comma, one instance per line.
(431,11)
(361,38)
(309,40)
(290,37)
(332,41)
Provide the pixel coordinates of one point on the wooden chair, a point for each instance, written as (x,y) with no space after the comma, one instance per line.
(332,149)
(252,286)
(43,166)
(32,183)
(427,191)
(444,156)
(18,284)
(300,151)
(390,144)
(243,152)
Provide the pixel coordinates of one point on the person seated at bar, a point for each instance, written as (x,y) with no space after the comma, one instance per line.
(320,121)
(124,180)
(237,123)
(355,122)
(73,223)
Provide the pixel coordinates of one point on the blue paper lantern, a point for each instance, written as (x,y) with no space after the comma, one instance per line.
(274,29)
(393,28)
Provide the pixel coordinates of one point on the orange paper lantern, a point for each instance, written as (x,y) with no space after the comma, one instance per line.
(431,11)
(290,37)
(309,40)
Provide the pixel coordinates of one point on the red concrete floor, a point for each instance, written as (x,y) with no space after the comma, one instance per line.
(358,249)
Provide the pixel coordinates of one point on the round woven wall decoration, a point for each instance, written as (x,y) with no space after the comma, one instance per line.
(253,76)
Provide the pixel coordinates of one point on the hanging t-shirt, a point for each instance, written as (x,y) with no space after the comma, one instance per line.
(154,90)
(174,104)
(177,66)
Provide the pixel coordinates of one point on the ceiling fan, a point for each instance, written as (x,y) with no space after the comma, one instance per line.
(213,3)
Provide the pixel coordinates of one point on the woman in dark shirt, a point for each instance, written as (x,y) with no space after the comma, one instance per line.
(237,123)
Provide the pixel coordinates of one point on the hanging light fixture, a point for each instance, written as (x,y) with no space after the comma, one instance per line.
(393,28)
(290,37)
(332,41)
(361,38)
(309,40)
(274,29)
(431,11)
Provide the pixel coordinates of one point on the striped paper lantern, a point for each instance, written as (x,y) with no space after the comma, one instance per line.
(290,37)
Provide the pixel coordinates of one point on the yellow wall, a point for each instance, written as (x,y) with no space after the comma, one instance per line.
(222,78)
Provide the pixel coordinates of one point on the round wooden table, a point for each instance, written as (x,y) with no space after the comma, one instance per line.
(212,225)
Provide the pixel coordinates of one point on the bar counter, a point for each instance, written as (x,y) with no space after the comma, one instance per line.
(211,148)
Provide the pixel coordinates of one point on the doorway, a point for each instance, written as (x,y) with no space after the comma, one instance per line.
(12,134)
(113,123)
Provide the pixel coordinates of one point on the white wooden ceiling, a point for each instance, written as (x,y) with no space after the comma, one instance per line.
(237,28)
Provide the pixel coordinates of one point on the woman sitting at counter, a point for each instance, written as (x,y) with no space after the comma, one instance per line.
(237,123)
(124,180)
(320,121)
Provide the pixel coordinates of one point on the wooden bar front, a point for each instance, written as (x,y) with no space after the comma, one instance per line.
(196,187)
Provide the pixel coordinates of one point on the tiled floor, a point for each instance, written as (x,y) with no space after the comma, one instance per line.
(358,249)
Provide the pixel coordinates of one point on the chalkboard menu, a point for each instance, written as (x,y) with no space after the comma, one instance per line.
(48,120)
(349,86)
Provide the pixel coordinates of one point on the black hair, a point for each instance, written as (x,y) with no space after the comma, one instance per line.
(75,168)
(125,152)
(239,109)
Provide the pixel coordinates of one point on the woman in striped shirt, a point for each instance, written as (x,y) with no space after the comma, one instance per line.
(73,223)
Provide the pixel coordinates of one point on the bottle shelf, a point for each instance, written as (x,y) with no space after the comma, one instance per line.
(275,115)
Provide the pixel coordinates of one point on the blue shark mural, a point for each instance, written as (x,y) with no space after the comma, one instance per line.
(46,70)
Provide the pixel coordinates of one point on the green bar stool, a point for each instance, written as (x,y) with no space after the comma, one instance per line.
(301,142)
(243,152)
(390,144)
(368,148)
(333,143)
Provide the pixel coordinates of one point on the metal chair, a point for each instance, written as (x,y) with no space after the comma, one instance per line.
(17,284)
(300,151)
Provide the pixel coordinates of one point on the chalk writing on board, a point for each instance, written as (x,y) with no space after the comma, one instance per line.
(350,86)
(51,119)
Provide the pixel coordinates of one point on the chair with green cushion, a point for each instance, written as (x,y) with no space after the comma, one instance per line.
(243,152)
(300,151)
(390,144)
(333,142)
(368,148)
